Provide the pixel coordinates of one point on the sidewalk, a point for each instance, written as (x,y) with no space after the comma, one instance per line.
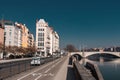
(66,72)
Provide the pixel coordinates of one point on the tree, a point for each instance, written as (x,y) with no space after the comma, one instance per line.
(31,50)
(70,48)
(1,47)
(12,49)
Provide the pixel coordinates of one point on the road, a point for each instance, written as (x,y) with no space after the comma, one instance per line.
(55,70)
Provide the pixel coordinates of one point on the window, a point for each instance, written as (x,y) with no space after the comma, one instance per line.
(9,42)
(10,33)
(40,44)
(42,48)
(10,30)
(4,33)
(40,29)
(40,34)
(40,39)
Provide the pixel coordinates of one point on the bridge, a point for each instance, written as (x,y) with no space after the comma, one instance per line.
(86,54)
(101,61)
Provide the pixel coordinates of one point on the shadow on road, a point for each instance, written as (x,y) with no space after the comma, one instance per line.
(70,71)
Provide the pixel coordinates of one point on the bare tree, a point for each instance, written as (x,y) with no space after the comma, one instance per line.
(70,48)
(11,49)
(1,47)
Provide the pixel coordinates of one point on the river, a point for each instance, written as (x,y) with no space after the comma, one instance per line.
(110,68)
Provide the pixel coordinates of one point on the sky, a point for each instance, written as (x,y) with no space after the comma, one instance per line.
(93,23)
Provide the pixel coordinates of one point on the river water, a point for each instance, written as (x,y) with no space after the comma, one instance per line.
(110,68)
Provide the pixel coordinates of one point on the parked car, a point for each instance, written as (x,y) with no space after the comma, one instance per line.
(36,61)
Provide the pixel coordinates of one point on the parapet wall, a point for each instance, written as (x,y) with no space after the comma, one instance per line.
(81,72)
(94,70)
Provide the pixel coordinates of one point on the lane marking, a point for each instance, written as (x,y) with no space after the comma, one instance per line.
(37,70)
(36,74)
(37,77)
(47,70)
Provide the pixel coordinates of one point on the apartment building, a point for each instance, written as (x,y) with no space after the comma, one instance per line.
(31,40)
(55,42)
(12,34)
(1,34)
(27,37)
(46,41)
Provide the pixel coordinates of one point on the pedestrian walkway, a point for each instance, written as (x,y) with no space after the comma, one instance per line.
(66,71)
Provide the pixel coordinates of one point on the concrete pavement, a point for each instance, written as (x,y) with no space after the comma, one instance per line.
(62,73)
(55,70)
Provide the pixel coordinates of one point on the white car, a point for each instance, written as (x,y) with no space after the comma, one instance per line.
(36,61)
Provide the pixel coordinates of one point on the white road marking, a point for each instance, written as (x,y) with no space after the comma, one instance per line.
(36,74)
(53,66)
(47,70)
(37,77)
(50,74)
(45,74)
(32,73)
(35,71)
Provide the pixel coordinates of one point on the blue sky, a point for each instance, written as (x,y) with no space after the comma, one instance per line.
(94,23)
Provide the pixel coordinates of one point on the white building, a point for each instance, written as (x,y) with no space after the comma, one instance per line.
(31,40)
(45,39)
(55,42)
(12,34)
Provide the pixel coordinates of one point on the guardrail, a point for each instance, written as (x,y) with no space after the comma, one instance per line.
(10,68)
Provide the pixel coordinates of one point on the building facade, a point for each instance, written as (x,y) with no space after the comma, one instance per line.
(31,40)
(55,42)
(16,34)
(45,38)
(12,34)
(27,37)
(1,34)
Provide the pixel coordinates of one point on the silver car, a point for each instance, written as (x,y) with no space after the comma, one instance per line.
(36,61)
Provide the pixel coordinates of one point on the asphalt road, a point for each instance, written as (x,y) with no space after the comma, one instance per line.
(55,70)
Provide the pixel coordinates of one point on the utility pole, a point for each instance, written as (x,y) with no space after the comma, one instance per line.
(4,53)
(80,48)
(83,50)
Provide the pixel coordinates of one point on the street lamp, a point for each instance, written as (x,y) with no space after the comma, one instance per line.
(4,53)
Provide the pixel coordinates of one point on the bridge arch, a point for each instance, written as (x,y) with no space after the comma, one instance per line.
(116,54)
(77,55)
(86,54)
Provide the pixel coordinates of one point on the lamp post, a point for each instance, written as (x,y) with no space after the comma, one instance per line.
(4,53)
